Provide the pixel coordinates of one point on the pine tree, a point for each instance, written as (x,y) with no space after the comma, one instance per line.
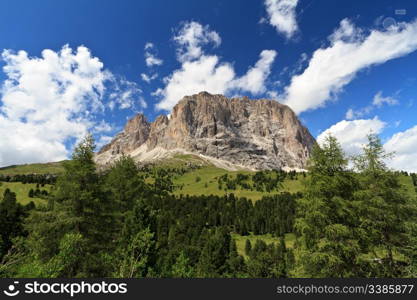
(81,208)
(329,244)
(235,262)
(248,247)
(124,184)
(11,221)
(182,268)
(80,193)
(280,259)
(135,251)
(212,262)
(383,207)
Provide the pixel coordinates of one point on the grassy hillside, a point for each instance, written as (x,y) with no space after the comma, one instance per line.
(47,168)
(22,191)
(204,181)
(200,179)
(408,183)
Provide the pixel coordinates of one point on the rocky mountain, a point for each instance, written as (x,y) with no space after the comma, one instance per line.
(232,133)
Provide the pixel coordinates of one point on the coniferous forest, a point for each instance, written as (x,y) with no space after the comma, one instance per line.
(352,218)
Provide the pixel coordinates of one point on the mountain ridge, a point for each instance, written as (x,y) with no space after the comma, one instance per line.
(231,133)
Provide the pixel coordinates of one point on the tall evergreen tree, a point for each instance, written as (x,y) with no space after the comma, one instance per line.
(248,247)
(329,244)
(124,184)
(11,221)
(214,255)
(384,208)
(81,208)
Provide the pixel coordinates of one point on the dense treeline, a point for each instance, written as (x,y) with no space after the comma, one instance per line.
(119,224)
(116,224)
(41,179)
(358,224)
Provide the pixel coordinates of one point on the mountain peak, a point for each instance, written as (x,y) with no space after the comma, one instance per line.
(252,134)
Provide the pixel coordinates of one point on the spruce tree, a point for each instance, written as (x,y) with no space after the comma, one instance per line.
(80,207)
(124,184)
(329,244)
(248,247)
(182,267)
(212,262)
(383,207)
(11,221)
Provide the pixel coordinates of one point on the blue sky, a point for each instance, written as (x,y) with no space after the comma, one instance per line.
(345,67)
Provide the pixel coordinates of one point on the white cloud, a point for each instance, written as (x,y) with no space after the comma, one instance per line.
(125,94)
(281,15)
(148,78)
(404,144)
(142,102)
(346,32)
(149,45)
(254,80)
(350,114)
(48,102)
(208,74)
(379,100)
(152,60)
(103,126)
(190,39)
(204,74)
(150,57)
(352,135)
(350,51)
(201,72)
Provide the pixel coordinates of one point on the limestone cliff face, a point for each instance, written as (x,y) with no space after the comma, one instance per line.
(253,134)
(135,133)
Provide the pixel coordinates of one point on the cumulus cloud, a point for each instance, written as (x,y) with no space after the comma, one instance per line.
(209,74)
(201,72)
(404,144)
(45,101)
(150,56)
(377,102)
(204,74)
(352,135)
(281,15)
(350,50)
(49,101)
(190,39)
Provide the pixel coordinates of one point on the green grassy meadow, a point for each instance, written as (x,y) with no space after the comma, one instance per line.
(22,191)
(47,168)
(204,181)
